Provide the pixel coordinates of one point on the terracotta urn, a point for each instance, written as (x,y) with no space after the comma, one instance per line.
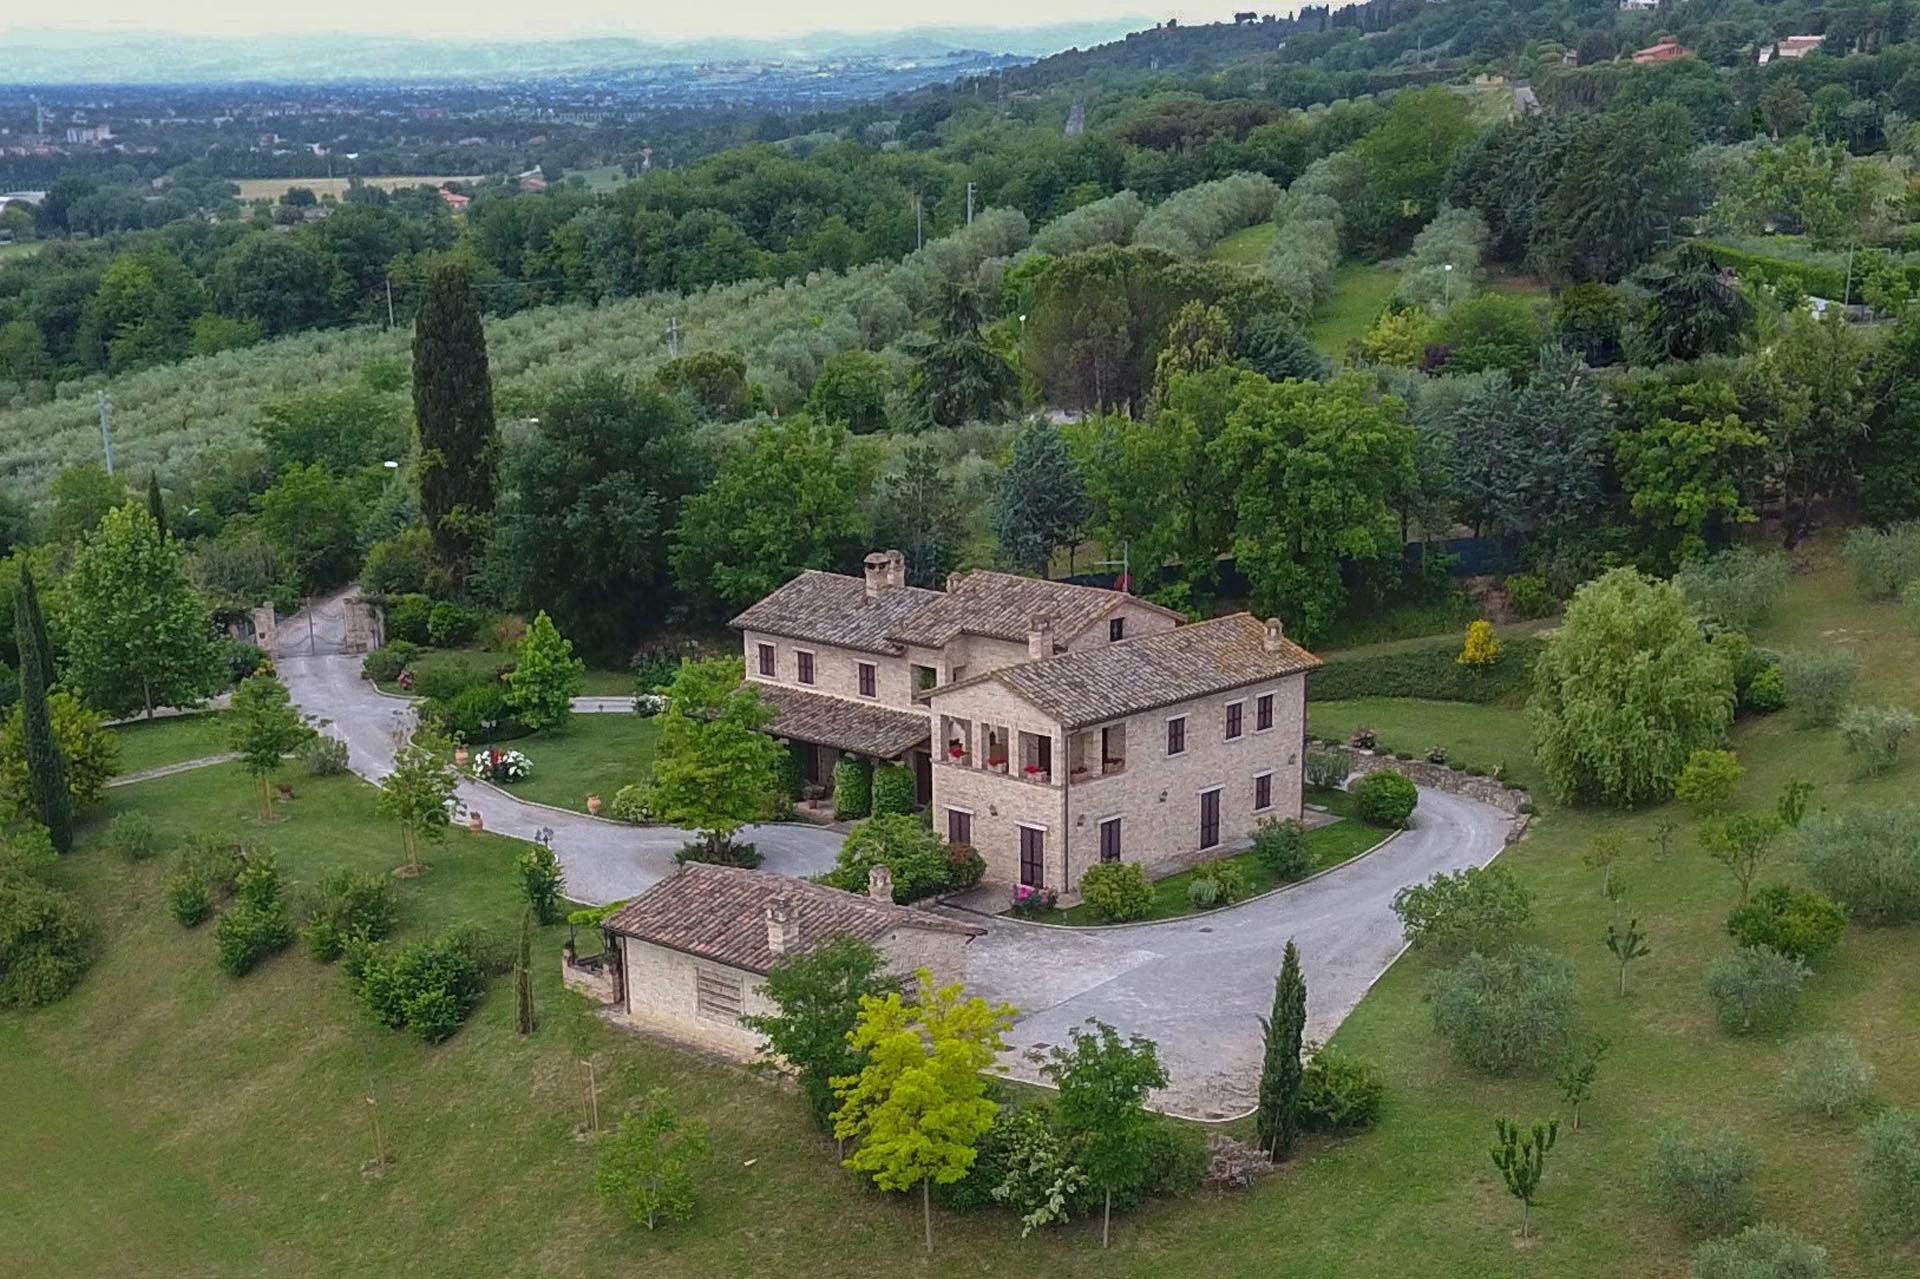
(593,805)
(461,756)
(474,823)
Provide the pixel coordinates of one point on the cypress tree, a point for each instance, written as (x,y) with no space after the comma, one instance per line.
(155,507)
(46,771)
(523,979)
(453,406)
(1277,1121)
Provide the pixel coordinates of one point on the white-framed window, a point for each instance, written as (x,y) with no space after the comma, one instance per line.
(960,826)
(766,660)
(803,665)
(1109,839)
(1236,719)
(1176,734)
(1263,713)
(1033,855)
(1263,791)
(869,679)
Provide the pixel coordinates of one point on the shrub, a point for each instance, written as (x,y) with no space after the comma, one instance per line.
(1479,909)
(1203,894)
(256,925)
(384,664)
(1529,596)
(428,987)
(1506,1013)
(443,678)
(893,790)
(205,874)
(1757,685)
(1340,1092)
(1755,988)
(1431,672)
(1883,561)
(1826,1073)
(1763,1251)
(1767,692)
(491,950)
(540,881)
(852,788)
(1868,859)
(965,866)
(324,755)
(1385,798)
(1702,1181)
(1481,648)
(1281,847)
(398,565)
(1804,926)
(1875,733)
(1817,681)
(1892,1166)
(188,901)
(1040,1180)
(1708,781)
(450,625)
(132,836)
(916,856)
(721,852)
(44,943)
(1117,891)
(408,619)
(476,713)
(1326,770)
(634,803)
(1229,884)
(241,659)
(89,749)
(348,905)
(1737,588)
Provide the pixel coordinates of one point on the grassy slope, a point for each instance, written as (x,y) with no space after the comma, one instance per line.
(225,1118)
(1246,246)
(171,740)
(1475,736)
(595,754)
(1360,290)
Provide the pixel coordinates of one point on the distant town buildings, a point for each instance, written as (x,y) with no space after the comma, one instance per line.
(1665,49)
(1791,47)
(89,136)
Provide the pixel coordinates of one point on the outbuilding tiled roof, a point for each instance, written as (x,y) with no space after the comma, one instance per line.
(720,913)
(1004,605)
(833,608)
(860,727)
(1167,667)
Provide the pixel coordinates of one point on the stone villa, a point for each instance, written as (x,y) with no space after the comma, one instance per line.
(1051,726)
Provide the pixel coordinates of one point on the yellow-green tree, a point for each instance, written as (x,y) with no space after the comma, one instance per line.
(1482,648)
(546,677)
(919,1106)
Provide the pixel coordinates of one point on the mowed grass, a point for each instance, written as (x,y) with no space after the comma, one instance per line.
(599,681)
(1247,246)
(1490,738)
(594,755)
(169,1120)
(148,744)
(1360,291)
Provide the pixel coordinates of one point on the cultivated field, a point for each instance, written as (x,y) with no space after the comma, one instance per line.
(274,188)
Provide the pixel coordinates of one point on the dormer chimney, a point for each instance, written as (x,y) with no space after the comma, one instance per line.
(880,883)
(783,933)
(1275,638)
(1039,638)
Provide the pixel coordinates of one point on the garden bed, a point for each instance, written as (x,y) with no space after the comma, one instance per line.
(592,755)
(1340,841)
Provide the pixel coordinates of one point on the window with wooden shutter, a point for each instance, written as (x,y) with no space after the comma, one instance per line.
(803,666)
(866,679)
(1234,720)
(1177,736)
(1263,792)
(1209,819)
(717,996)
(959,826)
(1263,713)
(766,660)
(1110,840)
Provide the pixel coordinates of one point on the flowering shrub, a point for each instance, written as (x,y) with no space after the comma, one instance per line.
(502,766)
(648,705)
(1031,901)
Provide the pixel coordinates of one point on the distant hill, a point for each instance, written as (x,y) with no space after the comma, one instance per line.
(65,56)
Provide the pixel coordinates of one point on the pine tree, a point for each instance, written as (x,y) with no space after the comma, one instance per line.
(1277,1121)
(155,507)
(453,404)
(1041,502)
(46,771)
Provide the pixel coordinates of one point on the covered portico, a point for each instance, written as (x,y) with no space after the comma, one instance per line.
(821,729)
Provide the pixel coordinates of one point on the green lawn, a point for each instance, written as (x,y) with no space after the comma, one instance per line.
(594,755)
(152,743)
(169,1120)
(599,682)
(1486,737)
(1360,290)
(1247,246)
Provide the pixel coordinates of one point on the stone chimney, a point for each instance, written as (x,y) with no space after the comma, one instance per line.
(880,883)
(876,566)
(783,932)
(1275,639)
(896,568)
(954,579)
(1039,638)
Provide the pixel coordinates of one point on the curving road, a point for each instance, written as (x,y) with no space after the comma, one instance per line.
(1197,986)
(604,860)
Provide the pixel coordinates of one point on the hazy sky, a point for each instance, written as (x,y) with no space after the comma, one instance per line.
(656,18)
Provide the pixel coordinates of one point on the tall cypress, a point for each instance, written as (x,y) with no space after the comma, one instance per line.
(453,407)
(46,771)
(1277,1121)
(155,507)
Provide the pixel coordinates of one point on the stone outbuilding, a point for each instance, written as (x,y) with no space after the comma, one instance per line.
(692,952)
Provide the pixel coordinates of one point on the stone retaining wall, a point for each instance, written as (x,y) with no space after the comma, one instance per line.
(1509,799)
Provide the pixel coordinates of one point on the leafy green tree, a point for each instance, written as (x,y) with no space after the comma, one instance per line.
(1277,1119)
(786,500)
(89,754)
(919,1106)
(1197,340)
(1576,1074)
(957,376)
(263,727)
(46,770)
(852,389)
(453,407)
(1316,466)
(715,768)
(1104,1081)
(1626,691)
(138,635)
(646,1164)
(419,794)
(917,507)
(1274,347)
(342,429)
(1041,502)
(278,282)
(714,381)
(156,507)
(143,312)
(1741,842)
(545,678)
(313,520)
(1522,1161)
(1404,162)
(82,496)
(1492,331)
(818,993)
(1808,395)
(1691,310)
(1709,780)
(1784,107)
(1685,462)
(1625,945)
(1624,180)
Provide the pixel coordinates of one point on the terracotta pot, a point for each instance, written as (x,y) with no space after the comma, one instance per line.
(474,823)
(593,805)
(462,756)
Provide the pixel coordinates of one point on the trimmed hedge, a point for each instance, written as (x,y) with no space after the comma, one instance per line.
(1433,673)
(893,791)
(1811,278)
(852,788)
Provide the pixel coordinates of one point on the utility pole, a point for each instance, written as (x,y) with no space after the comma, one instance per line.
(970,190)
(919,231)
(673,337)
(389,302)
(106,428)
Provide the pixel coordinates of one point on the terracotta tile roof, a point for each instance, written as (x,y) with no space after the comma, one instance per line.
(1161,669)
(1003,605)
(720,913)
(859,727)
(833,608)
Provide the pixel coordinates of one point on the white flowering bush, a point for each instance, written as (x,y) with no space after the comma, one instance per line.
(502,766)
